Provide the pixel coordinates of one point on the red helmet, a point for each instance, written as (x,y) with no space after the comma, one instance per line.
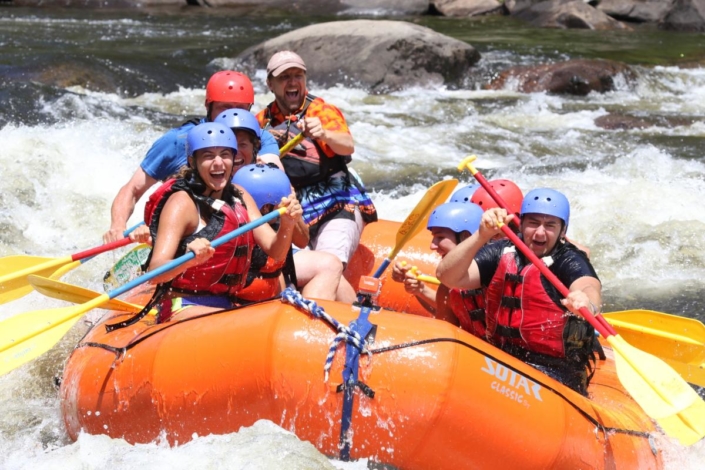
(508,191)
(229,86)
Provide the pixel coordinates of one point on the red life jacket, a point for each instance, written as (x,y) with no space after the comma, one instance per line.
(307,163)
(223,274)
(469,307)
(520,312)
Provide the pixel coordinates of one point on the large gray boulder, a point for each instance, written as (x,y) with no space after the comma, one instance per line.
(572,77)
(642,11)
(564,15)
(685,15)
(380,56)
(464,8)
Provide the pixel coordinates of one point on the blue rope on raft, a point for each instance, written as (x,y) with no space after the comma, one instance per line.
(346,334)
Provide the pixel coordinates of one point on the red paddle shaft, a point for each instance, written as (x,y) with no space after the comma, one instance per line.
(101,249)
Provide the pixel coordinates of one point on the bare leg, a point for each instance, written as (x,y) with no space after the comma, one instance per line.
(340,238)
(318,274)
(345,292)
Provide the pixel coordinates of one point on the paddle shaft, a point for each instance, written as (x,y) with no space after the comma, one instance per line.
(416,220)
(124,234)
(429,279)
(190,255)
(290,145)
(68,259)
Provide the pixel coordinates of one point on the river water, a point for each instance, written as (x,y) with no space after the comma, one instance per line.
(637,195)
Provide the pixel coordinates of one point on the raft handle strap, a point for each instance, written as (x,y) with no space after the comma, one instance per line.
(293,297)
(364,388)
(158,293)
(354,336)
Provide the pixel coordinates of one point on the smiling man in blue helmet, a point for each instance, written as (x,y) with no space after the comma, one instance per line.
(225,90)
(525,314)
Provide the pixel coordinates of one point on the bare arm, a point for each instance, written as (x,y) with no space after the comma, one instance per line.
(178,219)
(340,142)
(275,244)
(401,272)
(124,203)
(301,235)
(443,310)
(458,268)
(584,292)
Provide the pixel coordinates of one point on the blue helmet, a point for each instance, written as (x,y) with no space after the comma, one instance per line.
(266,185)
(210,134)
(464,194)
(239,119)
(548,202)
(456,216)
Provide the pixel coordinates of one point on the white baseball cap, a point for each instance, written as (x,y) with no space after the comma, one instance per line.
(284,60)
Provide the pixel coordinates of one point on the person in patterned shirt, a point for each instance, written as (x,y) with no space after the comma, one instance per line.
(336,205)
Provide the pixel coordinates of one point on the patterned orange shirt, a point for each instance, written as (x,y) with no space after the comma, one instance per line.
(331,117)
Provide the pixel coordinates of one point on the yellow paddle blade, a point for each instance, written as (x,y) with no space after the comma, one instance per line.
(686,426)
(677,340)
(14,355)
(14,272)
(416,221)
(10,264)
(64,269)
(660,391)
(78,295)
(29,335)
(675,325)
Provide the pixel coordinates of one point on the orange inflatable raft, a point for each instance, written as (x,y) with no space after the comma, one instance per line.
(431,396)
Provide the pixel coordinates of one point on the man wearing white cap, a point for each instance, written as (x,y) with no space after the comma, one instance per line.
(335,203)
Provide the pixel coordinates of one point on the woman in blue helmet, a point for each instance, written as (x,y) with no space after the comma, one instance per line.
(450,224)
(247,132)
(317,274)
(267,276)
(200,205)
(525,314)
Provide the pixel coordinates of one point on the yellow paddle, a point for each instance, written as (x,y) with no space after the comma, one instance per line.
(677,340)
(416,221)
(15,269)
(28,335)
(77,295)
